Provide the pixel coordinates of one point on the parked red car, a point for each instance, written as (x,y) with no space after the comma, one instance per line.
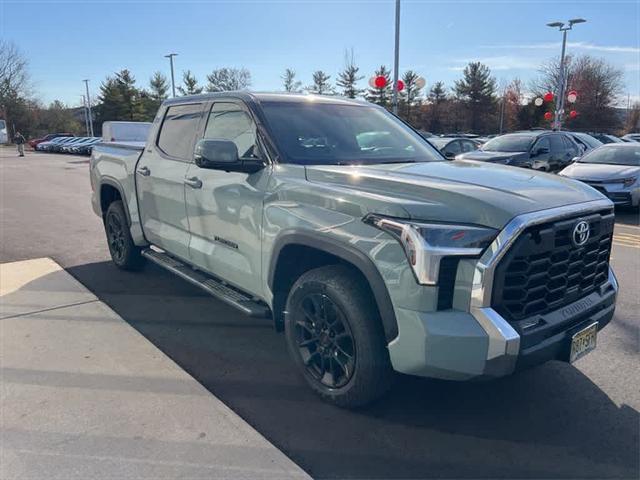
(46,138)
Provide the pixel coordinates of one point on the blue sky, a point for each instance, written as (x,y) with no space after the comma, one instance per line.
(66,42)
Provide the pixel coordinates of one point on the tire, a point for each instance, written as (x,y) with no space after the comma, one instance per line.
(124,253)
(348,363)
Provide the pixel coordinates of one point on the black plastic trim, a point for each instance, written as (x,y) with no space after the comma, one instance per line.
(351,255)
(114,184)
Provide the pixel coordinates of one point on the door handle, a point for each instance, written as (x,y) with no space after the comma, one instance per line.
(144,171)
(193,182)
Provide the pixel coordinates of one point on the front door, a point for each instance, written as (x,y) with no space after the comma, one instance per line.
(225,208)
(160,177)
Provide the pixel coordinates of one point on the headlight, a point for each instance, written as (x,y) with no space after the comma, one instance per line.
(627,182)
(426,244)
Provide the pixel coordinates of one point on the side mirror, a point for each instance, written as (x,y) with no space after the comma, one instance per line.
(223,155)
(450,155)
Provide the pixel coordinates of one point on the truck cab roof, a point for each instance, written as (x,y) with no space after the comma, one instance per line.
(258,97)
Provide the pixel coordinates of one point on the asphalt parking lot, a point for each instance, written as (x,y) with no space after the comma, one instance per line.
(554,421)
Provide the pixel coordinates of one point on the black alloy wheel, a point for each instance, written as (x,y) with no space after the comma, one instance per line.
(325,341)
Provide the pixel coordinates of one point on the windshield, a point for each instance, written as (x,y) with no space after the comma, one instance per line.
(622,155)
(588,140)
(336,134)
(508,143)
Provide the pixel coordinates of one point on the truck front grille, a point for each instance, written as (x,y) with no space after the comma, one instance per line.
(544,270)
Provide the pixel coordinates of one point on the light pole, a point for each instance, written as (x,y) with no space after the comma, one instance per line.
(86,114)
(396,60)
(86,84)
(561,83)
(173,82)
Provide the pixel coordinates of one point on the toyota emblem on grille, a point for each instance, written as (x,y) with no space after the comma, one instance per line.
(581,233)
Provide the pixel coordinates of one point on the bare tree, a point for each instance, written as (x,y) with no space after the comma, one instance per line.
(512,99)
(227,79)
(598,84)
(14,76)
(633,119)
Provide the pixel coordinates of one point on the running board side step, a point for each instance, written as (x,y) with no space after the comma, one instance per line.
(213,286)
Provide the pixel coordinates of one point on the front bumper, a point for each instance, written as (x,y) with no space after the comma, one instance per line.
(457,345)
(618,193)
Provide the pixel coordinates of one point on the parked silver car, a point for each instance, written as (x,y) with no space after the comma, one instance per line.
(612,169)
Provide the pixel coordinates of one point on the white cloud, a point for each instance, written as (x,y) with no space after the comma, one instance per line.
(498,62)
(576,45)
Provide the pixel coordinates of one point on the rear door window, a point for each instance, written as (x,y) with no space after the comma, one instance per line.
(452,148)
(569,145)
(556,144)
(542,143)
(468,146)
(178,130)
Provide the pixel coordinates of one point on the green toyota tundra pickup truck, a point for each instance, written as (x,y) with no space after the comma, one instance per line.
(340,224)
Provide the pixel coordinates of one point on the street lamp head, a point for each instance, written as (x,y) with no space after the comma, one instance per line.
(573,21)
(555,24)
(171,55)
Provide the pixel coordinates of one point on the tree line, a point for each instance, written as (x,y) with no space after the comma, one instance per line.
(474,103)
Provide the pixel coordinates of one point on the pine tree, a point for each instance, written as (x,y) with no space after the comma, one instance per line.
(190,84)
(321,85)
(437,94)
(436,98)
(158,87)
(477,90)
(349,78)
(131,96)
(289,81)
(411,91)
(381,95)
(111,103)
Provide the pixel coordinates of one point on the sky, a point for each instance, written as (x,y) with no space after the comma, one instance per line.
(68,41)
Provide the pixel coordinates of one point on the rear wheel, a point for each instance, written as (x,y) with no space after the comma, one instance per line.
(335,337)
(124,253)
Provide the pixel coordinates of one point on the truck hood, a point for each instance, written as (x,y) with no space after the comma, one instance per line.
(459,191)
(600,171)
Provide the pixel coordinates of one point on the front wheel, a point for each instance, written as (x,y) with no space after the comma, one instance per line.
(124,253)
(335,337)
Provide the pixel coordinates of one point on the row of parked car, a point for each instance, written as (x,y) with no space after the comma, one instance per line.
(544,150)
(66,144)
(607,163)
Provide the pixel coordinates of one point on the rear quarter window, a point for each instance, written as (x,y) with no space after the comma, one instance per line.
(178,130)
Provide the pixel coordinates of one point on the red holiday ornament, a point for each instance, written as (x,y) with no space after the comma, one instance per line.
(400,85)
(548,97)
(548,116)
(380,81)
(573,114)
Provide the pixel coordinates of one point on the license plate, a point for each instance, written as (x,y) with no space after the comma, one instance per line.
(583,342)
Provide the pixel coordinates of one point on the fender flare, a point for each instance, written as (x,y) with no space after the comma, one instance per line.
(350,255)
(113,183)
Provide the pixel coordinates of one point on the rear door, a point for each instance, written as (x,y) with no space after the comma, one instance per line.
(160,176)
(560,155)
(541,154)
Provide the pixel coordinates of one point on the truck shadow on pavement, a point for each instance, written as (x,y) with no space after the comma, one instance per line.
(551,421)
